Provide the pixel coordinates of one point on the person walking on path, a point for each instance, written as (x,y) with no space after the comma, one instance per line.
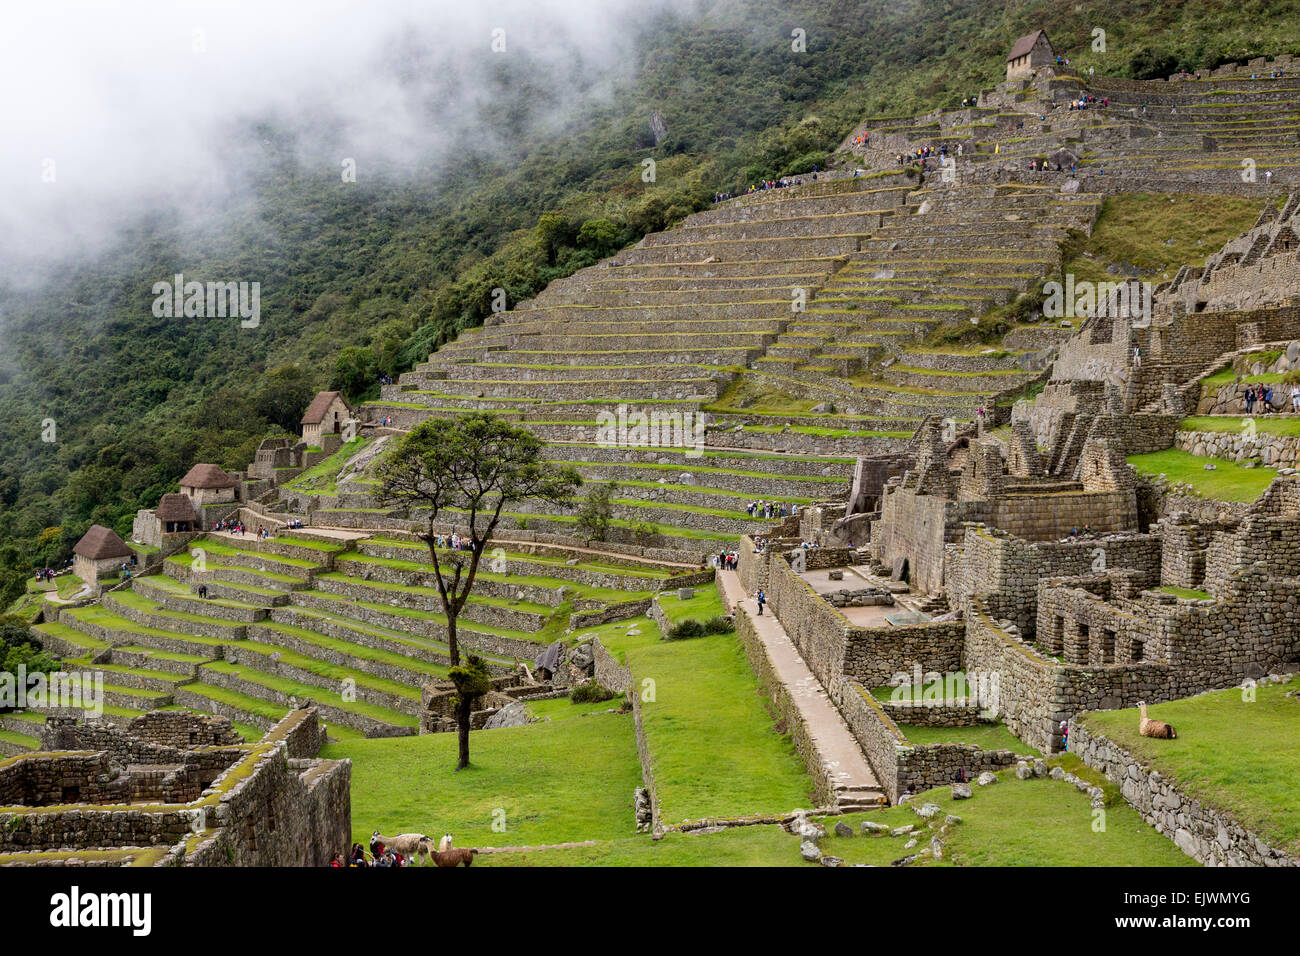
(762,599)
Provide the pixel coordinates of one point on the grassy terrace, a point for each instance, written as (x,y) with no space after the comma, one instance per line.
(342,603)
(608,595)
(1268,424)
(430,593)
(646,571)
(706,604)
(293,688)
(675,468)
(985,736)
(1158,234)
(320,477)
(1228,482)
(1234,755)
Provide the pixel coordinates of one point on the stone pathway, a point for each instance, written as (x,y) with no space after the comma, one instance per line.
(855,782)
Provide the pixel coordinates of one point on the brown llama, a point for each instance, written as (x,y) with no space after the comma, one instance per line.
(1153,728)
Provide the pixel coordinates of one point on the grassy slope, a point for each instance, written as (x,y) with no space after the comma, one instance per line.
(1158,234)
(1228,482)
(1236,755)
(408,785)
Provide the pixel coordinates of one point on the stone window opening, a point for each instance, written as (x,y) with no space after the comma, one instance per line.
(1081,649)
(1056,636)
(1137,650)
(1108,646)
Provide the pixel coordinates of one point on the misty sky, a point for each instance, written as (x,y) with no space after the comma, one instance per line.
(113,109)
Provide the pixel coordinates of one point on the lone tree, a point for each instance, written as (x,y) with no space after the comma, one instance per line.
(462,474)
(597,512)
(472,681)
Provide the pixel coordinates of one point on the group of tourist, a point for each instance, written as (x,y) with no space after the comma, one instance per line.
(726,560)
(239,528)
(455,542)
(294,523)
(386,421)
(1087,532)
(379,856)
(385,379)
(767,510)
(862,140)
(1043,166)
(47,574)
(1083,102)
(1262,395)
(782,183)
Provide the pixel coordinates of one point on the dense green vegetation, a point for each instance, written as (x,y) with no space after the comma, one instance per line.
(368,277)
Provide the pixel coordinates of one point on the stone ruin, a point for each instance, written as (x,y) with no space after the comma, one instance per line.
(173,788)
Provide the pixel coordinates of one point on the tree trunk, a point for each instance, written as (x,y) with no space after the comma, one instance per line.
(452,645)
(462,733)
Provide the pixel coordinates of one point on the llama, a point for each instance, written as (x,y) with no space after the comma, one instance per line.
(445,843)
(410,845)
(454,858)
(1153,728)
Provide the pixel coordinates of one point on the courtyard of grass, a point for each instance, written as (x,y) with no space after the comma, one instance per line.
(568,777)
(985,736)
(1232,753)
(1227,482)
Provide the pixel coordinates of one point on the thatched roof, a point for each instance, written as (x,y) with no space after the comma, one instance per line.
(1026,43)
(320,405)
(175,507)
(100,542)
(207,476)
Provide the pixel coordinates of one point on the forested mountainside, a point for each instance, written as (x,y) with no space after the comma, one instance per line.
(368,277)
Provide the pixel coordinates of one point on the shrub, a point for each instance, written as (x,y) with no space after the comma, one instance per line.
(719,625)
(685,629)
(591,693)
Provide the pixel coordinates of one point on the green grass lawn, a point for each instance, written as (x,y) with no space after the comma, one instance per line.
(1234,755)
(1268,424)
(705,605)
(738,846)
(714,748)
(1228,482)
(1037,822)
(1186,592)
(564,780)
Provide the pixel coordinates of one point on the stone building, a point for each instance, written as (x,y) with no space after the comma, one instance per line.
(1029,53)
(207,484)
(101,551)
(324,416)
(175,789)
